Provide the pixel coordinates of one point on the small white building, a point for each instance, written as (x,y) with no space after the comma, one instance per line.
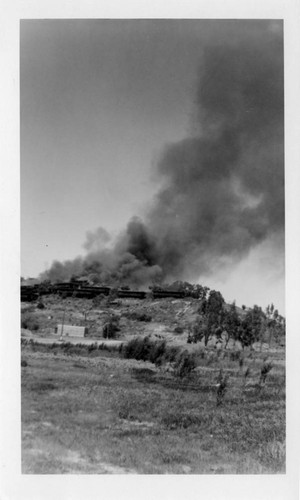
(71,331)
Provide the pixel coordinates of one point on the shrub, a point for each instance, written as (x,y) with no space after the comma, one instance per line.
(185,364)
(157,352)
(103,347)
(110,329)
(131,348)
(73,350)
(222,387)
(24,363)
(98,301)
(178,329)
(197,333)
(42,386)
(266,368)
(138,348)
(145,349)
(138,316)
(171,354)
(29,322)
(92,347)
(145,317)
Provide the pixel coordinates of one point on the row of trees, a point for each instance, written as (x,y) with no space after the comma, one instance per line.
(251,325)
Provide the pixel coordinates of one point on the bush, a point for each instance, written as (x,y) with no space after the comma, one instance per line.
(144,317)
(24,363)
(92,347)
(138,316)
(157,352)
(145,349)
(171,354)
(110,329)
(103,347)
(130,349)
(42,386)
(266,368)
(138,348)
(199,331)
(29,322)
(222,387)
(98,301)
(185,364)
(178,329)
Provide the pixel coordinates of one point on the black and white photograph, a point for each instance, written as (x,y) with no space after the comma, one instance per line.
(152,223)
(152,286)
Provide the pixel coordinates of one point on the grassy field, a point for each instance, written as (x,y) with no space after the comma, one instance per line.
(91,411)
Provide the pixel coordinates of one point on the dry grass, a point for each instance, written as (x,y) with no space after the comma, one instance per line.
(83,413)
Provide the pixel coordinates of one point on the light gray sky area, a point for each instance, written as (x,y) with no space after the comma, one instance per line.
(178,122)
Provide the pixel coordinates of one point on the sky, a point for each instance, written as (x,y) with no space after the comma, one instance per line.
(176,122)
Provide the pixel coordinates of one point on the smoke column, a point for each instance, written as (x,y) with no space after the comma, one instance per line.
(222,188)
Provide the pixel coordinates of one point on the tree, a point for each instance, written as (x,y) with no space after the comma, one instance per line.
(212,310)
(250,327)
(231,323)
(275,324)
(185,364)
(188,289)
(198,331)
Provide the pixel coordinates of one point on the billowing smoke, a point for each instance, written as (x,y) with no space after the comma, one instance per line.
(222,188)
(96,240)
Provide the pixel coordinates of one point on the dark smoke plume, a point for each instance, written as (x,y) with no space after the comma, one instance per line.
(223,187)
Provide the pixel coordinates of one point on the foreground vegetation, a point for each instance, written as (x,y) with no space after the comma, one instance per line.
(148,408)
